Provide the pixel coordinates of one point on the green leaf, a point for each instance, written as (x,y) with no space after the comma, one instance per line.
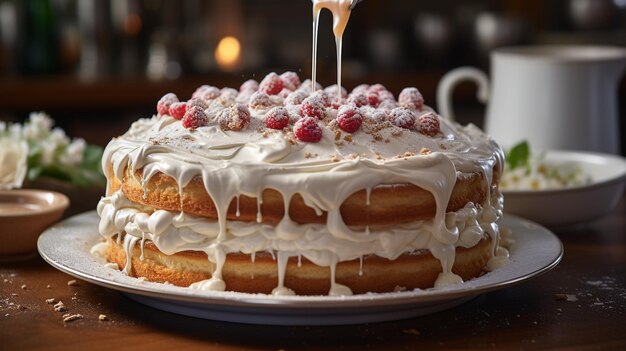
(518,155)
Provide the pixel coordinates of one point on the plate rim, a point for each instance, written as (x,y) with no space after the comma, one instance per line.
(237,299)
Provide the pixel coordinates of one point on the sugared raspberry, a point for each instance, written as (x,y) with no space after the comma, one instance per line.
(376,88)
(250,86)
(277,118)
(236,117)
(178,109)
(332,92)
(291,80)
(284,93)
(386,95)
(272,84)
(428,124)
(326,99)
(210,93)
(307,129)
(296,97)
(402,117)
(372,98)
(313,106)
(197,102)
(360,89)
(357,99)
(349,118)
(163,106)
(197,94)
(259,101)
(195,118)
(229,93)
(411,98)
(387,105)
(308,88)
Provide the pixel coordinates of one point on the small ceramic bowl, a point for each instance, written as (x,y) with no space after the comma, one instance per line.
(24,214)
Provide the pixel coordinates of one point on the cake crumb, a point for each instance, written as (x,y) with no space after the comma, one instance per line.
(399,288)
(72,318)
(50,301)
(60,307)
(425,151)
(411,331)
(48,286)
(23,286)
(348,138)
(396,132)
(72,282)
(334,158)
(565,297)
(337,135)
(103,318)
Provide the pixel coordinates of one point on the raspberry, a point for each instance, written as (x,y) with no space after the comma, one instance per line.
(277,118)
(250,85)
(428,124)
(402,117)
(197,102)
(163,106)
(360,89)
(284,93)
(236,117)
(195,118)
(259,100)
(332,92)
(349,118)
(357,99)
(307,86)
(178,109)
(386,95)
(199,91)
(387,105)
(296,97)
(210,93)
(376,88)
(291,80)
(373,99)
(411,98)
(272,84)
(313,106)
(307,129)
(229,93)
(327,100)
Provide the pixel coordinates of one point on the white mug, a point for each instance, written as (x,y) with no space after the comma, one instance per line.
(555,97)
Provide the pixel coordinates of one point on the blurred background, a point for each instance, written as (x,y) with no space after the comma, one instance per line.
(98,65)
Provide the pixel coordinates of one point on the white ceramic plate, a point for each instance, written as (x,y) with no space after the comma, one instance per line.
(66,247)
(565,207)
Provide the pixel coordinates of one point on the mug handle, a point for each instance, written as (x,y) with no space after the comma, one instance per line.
(451,79)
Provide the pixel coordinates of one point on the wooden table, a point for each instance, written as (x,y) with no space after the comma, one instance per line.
(527,316)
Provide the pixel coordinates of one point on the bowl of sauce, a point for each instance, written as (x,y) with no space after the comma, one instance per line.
(24,214)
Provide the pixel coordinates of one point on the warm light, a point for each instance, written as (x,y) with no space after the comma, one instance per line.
(227,53)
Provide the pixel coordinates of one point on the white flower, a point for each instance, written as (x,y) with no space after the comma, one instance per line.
(3,127)
(13,162)
(73,154)
(38,125)
(15,131)
(58,137)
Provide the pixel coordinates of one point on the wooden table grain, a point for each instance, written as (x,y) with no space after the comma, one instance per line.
(534,315)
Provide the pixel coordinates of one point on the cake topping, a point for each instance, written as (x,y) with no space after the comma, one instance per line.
(198,103)
(296,97)
(163,106)
(249,86)
(236,117)
(259,101)
(277,118)
(178,109)
(411,98)
(428,124)
(272,84)
(210,93)
(402,117)
(358,99)
(349,118)
(291,81)
(195,118)
(307,129)
(313,106)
